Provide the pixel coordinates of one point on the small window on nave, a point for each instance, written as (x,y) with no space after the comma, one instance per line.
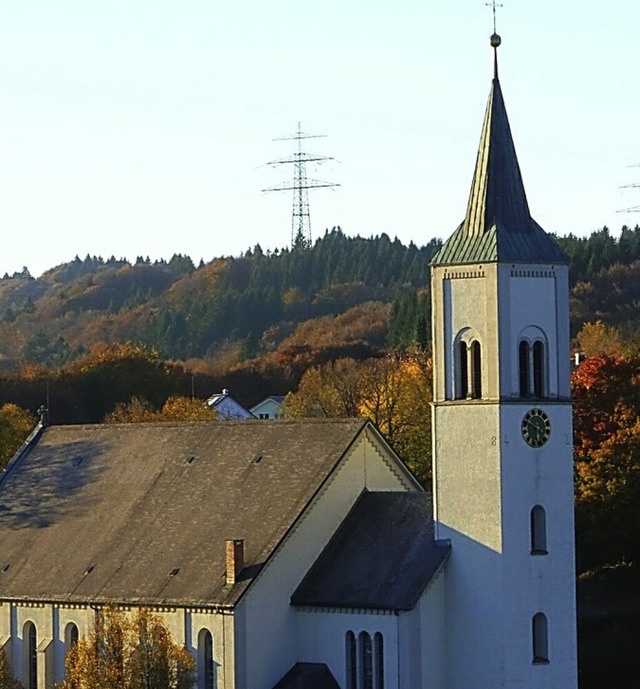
(540,638)
(538,531)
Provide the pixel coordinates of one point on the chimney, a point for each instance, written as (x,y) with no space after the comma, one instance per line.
(235,559)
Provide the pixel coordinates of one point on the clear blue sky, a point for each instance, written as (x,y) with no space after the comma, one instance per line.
(140,127)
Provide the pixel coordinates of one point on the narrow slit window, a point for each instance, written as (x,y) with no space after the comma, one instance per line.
(352,665)
(523,358)
(366,661)
(540,639)
(379,660)
(30,641)
(476,357)
(538,369)
(464,371)
(538,531)
(206,665)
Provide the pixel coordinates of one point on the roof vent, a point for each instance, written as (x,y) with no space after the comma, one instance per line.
(225,391)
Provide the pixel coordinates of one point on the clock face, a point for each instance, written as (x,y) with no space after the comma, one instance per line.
(536,427)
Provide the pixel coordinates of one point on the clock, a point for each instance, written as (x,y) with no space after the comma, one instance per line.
(536,427)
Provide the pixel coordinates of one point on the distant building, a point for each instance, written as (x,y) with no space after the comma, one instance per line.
(227,408)
(269,408)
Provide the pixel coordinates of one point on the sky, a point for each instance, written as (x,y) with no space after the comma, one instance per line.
(143,127)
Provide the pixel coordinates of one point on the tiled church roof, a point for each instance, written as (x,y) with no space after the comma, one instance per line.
(140,512)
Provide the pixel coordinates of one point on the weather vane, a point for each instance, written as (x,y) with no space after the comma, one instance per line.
(494,6)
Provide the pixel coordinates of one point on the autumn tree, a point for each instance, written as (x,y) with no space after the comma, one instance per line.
(6,676)
(176,408)
(393,391)
(600,338)
(397,396)
(606,391)
(15,426)
(125,652)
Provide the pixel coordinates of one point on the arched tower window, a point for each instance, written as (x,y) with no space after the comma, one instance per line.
(206,669)
(378,644)
(538,369)
(468,364)
(540,638)
(476,368)
(352,662)
(30,654)
(523,359)
(463,366)
(366,661)
(538,531)
(532,365)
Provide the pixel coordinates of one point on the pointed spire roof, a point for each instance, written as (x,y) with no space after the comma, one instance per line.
(498,225)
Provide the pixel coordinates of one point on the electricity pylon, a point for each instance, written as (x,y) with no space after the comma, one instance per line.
(301,219)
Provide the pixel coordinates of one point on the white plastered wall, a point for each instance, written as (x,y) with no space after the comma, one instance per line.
(270,643)
(51,621)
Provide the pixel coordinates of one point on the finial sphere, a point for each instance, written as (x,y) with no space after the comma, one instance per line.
(495,40)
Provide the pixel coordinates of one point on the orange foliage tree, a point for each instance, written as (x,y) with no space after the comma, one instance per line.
(176,408)
(393,391)
(126,652)
(606,391)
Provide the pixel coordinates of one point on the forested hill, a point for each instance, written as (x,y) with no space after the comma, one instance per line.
(254,301)
(186,312)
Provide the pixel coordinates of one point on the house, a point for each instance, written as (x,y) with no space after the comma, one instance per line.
(303,553)
(269,408)
(226,407)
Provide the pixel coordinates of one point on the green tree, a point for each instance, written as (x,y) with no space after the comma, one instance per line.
(6,676)
(128,653)
(15,425)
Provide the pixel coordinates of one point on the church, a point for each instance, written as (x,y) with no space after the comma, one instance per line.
(302,553)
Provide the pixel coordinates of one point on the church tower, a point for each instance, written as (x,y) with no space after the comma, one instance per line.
(503,476)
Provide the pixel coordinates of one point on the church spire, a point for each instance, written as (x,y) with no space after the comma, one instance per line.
(497,191)
(498,225)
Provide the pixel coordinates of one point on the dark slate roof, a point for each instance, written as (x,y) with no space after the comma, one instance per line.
(498,225)
(382,557)
(107,512)
(308,676)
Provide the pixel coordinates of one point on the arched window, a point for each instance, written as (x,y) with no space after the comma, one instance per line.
(206,666)
(379,660)
(538,369)
(538,531)
(476,367)
(463,366)
(523,357)
(70,636)
(30,654)
(532,367)
(352,662)
(540,638)
(366,661)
